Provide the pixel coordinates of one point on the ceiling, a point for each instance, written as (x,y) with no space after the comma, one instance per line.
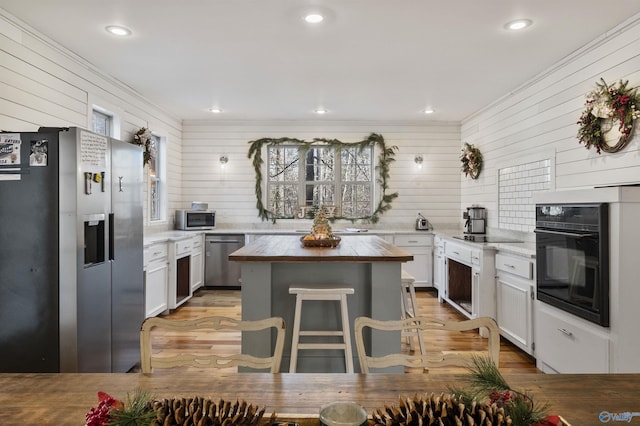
(369,60)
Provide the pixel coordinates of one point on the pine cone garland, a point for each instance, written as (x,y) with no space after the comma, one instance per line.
(199,411)
(440,410)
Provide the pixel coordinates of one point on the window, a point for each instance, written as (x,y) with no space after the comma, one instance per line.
(102,123)
(156,180)
(325,176)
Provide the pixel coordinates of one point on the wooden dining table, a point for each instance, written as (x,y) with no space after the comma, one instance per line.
(64,399)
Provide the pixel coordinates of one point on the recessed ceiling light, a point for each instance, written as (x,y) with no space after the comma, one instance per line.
(518,24)
(313,18)
(118,30)
(215,110)
(429,111)
(320,111)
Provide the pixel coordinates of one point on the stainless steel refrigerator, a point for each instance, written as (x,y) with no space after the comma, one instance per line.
(71,279)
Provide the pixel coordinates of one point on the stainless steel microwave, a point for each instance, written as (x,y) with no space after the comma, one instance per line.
(189,220)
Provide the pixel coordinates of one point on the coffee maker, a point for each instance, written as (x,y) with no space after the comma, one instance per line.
(476,220)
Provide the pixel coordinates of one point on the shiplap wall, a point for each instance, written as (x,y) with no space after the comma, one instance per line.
(538,120)
(433,190)
(44,84)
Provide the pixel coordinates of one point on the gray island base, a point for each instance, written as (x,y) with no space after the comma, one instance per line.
(369,264)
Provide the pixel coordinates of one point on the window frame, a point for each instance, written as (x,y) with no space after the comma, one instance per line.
(160,180)
(107,118)
(305,208)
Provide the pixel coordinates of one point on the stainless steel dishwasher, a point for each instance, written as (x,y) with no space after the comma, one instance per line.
(218,270)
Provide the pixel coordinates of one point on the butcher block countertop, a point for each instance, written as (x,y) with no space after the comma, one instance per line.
(286,248)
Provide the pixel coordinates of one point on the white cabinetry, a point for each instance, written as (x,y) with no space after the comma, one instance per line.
(568,344)
(515,291)
(439,265)
(421,247)
(470,279)
(156,274)
(181,269)
(197,263)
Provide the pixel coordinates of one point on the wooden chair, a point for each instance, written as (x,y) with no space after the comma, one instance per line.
(213,323)
(429,359)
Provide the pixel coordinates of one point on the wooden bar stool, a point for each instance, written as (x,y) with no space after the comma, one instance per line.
(410,309)
(338,294)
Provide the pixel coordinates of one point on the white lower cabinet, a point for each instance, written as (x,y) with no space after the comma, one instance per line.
(156,279)
(568,344)
(515,286)
(439,265)
(421,247)
(197,263)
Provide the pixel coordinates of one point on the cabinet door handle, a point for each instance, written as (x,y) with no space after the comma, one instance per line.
(565,332)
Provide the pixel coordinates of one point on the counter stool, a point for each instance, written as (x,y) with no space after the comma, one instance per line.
(409,305)
(338,294)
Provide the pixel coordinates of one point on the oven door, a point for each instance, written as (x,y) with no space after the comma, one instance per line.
(572,273)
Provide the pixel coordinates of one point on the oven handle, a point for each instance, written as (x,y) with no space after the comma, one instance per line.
(566,234)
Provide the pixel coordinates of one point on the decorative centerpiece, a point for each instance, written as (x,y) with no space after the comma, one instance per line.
(488,400)
(321,233)
(142,409)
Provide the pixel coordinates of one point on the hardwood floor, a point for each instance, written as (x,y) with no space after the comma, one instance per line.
(207,302)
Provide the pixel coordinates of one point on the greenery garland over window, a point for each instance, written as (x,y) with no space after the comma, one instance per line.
(385,158)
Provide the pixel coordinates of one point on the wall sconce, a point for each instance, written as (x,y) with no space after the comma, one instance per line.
(224,160)
(418,160)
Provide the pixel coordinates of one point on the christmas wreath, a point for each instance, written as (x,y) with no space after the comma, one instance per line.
(605,106)
(143,138)
(471,159)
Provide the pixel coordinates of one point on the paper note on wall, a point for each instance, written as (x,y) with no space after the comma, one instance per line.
(93,150)
(10,154)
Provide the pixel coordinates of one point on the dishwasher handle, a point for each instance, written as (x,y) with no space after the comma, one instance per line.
(225,241)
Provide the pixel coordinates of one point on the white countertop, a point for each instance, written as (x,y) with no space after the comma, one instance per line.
(526,248)
(523,249)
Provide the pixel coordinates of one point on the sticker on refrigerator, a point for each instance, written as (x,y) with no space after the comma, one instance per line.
(93,149)
(9,155)
(38,156)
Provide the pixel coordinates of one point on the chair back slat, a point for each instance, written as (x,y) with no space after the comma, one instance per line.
(430,359)
(214,323)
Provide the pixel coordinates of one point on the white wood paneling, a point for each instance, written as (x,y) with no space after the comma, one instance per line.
(44,84)
(539,118)
(434,190)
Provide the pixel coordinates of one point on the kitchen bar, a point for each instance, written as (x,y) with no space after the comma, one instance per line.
(369,264)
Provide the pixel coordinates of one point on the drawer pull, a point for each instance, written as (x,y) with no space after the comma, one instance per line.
(565,332)
(155,253)
(510,266)
(187,247)
(475,258)
(412,241)
(455,252)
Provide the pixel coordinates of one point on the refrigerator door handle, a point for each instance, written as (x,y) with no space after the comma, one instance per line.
(111,236)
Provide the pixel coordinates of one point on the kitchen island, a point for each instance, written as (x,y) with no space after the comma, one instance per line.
(369,264)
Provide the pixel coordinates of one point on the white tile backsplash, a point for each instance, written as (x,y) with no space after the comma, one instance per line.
(516,186)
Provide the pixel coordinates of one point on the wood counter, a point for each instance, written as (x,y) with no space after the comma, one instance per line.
(368,264)
(64,399)
(286,248)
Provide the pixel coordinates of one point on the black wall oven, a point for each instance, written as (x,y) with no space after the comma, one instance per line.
(572,258)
